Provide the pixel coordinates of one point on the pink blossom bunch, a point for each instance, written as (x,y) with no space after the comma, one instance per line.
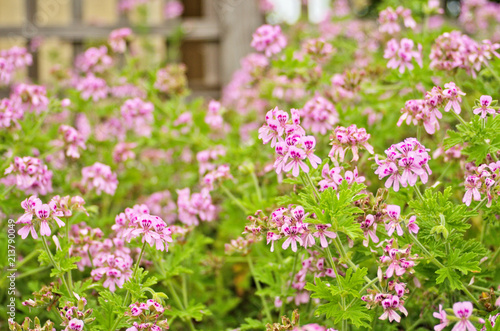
(220,173)
(30,175)
(485,106)
(109,129)
(173,9)
(455,50)
(95,60)
(11,60)
(138,222)
(38,217)
(147,316)
(397,260)
(318,48)
(332,178)
(68,204)
(268,39)
(138,116)
(314,265)
(32,98)
(424,112)
(391,302)
(405,163)
(72,141)
(346,86)
(115,270)
(214,115)
(400,54)
(91,86)
(74,318)
(388,19)
(125,91)
(479,15)
(100,178)
(463,317)
(206,157)
(312,327)
(118,39)
(162,204)
(289,89)
(171,79)
(196,207)
(291,144)
(288,223)
(350,138)
(123,151)
(393,221)
(484,180)
(10,113)
(319,115)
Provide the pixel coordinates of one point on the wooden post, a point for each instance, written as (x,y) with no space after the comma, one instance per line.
(77,15)
(30,8)
(239,19)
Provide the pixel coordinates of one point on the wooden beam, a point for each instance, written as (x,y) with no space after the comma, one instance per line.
(195,29)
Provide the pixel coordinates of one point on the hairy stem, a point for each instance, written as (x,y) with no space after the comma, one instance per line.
(259,288)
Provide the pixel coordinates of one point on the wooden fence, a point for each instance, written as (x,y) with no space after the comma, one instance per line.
(217,32)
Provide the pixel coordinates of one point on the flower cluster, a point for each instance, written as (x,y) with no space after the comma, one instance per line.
(400,55)
(388,19)
(214,116)
(171,79)
(485,180)
(95,60)
(479,15)
(397,260)
(72,141)
(389,302)
(195,207)
(117,269)
(10,113)
(268,39)
(463,317)
(11,60)
(288,223)
(456,50)
(332,178)
(30,175)
(118,39)
(161,204)
(318,48)
(74,318)
(351,138)
(32,98)
(291,144)
(319,115)
(405,163)
(91,86)
(138,222)
(173,9)
(138,116)
(45,215)
(147,316)
(100,178)
(123,151)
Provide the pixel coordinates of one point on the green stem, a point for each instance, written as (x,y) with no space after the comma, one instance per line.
(342,298)
(419,132)
(27,259)
(259,288)
(459,118)
(282,310)
(484,289)
(70,277)
(494,257)
(419,194)
(184,290)
(234,199)
(316,193)
(257,186)
(55,265)
(179,303)
(127,296)
(439,264)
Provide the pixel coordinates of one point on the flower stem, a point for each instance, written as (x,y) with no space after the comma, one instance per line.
(492,71)
(459,118)
(419,194)
(282,310)
(179,303)
(257,186)
(127,296)
(316,193)
(55,265)
(234,199)
(259,288)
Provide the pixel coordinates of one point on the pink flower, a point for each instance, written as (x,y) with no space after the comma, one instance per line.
(75,324)
(369,227)
(118,39)
(268,39)
(271,238)
(72,140)
(30,175)
(472,184)
(463,310)
(453,94)
(412,225)
(322,233)
(484,107)
(292,234)
(138,116)
(390,305)
(94,60)
(443,319)
(296,157)
(393,212)
(93,87)
(99,177)
(401,54)
(173,9)
(319,115)
(344,139)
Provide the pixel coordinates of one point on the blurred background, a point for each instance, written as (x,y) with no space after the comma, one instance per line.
(209,36)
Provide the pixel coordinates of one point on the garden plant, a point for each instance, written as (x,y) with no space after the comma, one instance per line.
(347,179)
